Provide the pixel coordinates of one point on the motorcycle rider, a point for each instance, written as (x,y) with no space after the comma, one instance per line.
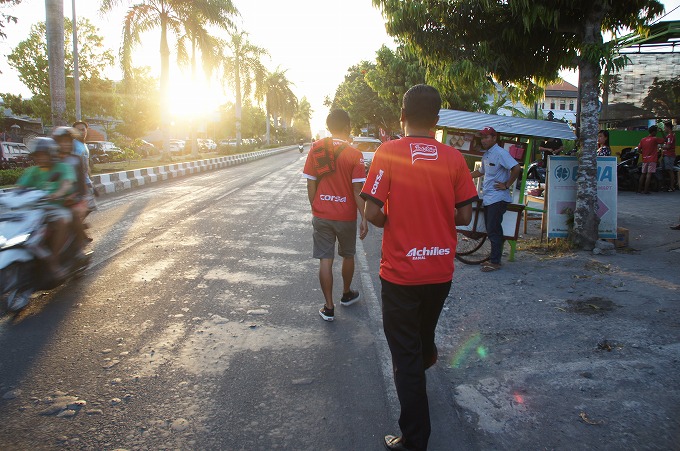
(76,201)
(57,179)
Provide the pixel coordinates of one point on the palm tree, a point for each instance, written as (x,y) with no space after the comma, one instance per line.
(200,39)
(54,24)
(243,69)
(170,16)
(280,101)
(303,116)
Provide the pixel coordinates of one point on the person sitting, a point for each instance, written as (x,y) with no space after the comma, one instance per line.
(551,146)
(57,180)
(65,137)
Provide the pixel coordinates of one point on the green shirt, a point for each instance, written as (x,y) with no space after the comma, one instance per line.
(47,180)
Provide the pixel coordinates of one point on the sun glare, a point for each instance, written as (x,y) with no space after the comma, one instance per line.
(187,99)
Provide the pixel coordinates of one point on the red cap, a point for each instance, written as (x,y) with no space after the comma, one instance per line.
(488,131)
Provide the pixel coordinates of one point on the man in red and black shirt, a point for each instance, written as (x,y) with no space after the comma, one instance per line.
(418,189)
(669,155)
(649,151)
(335,174)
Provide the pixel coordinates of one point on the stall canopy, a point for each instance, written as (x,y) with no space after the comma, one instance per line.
(504,125)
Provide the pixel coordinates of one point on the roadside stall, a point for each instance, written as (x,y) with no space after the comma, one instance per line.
(460,129)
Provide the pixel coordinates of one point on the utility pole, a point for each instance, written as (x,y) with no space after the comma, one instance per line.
(76,76)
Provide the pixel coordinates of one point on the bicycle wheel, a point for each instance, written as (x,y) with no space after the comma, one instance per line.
(479,255)
(469,241)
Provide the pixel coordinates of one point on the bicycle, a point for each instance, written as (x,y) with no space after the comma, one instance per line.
(473,247)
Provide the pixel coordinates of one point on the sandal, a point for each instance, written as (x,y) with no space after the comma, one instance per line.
(487,266)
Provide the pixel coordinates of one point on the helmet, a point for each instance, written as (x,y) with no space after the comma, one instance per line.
(46,145)
(62,132)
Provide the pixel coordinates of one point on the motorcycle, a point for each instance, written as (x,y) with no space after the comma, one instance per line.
(627,171)
(301,147)
(23,268)
(536,171)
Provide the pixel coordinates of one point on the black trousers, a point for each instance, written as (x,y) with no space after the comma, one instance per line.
(493,216)
(410,315)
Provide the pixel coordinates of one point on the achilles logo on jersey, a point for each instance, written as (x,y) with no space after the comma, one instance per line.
(332,198)
(422,254)
(420,151)
(377,181)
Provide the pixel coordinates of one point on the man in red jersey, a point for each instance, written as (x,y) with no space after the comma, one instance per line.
(335,174)
(418,189)
(649,151)
(669,155)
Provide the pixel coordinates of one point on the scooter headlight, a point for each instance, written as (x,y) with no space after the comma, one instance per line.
(14,241)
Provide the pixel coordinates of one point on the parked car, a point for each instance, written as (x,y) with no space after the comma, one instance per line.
(177,146)
(146,149)
(206,145)
(367,145)
(14,155)
(227,143)
(104,152)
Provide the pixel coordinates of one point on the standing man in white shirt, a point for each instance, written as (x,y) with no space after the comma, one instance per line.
(500,171)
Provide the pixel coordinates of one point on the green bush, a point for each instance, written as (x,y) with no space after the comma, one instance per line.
(10,176)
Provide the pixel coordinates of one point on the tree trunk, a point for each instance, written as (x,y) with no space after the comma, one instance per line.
(586,221)
(54,25)
(192,119)
(269,126)
(237,77)
(165,85)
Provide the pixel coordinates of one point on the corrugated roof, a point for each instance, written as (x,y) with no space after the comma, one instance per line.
(505,125)
(561,86)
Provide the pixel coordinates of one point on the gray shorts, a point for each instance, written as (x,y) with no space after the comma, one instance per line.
(327,231)
(668,162)
(55,213)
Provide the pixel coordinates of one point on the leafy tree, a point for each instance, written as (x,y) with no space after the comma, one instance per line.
(365,107)
(139,103)
(252,120)
(30,60)
(393,74)
(18,105)
(243,70)
(663,98)
(526,43)
(7,18)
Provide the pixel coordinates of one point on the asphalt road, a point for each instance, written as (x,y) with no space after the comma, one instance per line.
(197,329)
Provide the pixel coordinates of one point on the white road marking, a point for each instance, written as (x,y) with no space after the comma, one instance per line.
(375,314)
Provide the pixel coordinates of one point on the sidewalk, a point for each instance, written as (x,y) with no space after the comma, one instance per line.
(569,352)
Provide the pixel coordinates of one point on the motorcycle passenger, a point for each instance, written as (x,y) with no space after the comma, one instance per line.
(80,150)
(57,179)
(76,200)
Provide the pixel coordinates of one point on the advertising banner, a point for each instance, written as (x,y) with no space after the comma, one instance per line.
(562,183)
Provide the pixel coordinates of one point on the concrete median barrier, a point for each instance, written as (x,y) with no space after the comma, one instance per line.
(119,181)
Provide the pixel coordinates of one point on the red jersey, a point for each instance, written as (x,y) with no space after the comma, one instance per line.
(334,198)
(420,182)
(649,149)
(669,151)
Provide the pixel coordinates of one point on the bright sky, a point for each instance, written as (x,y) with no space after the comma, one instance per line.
(314,42)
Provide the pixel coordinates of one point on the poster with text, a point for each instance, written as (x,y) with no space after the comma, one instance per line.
(562,183)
